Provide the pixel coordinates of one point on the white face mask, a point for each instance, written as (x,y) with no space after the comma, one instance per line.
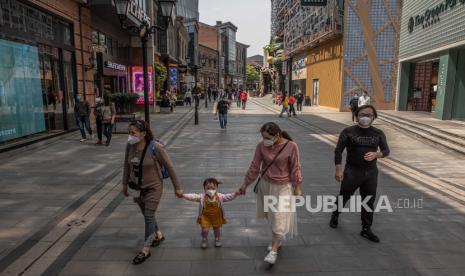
(268,142)
(133,140)
(211,192)
(364,121)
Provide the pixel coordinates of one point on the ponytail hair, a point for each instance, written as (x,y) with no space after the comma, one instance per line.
(273,129)
(143,126)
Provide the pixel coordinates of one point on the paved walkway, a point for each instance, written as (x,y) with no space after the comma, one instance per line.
(426,241)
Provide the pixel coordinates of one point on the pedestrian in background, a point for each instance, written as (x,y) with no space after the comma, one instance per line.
(291,105)
(188,98)
(209,92)
(300,100)
(108,119)
(82,111)
(98,112)
(364,99)
(215,94)
(276,164)
(362,142)
(285,103)
(237,97)
(222,108)
(244,97)
(353,105)
(145,165)
(173,99)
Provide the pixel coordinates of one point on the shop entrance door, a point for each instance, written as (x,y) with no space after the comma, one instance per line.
(316,87)
(422,95)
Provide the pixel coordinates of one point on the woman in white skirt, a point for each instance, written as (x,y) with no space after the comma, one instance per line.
(276,164)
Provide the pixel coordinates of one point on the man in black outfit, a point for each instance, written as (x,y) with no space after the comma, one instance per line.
(353,106)
(361,171)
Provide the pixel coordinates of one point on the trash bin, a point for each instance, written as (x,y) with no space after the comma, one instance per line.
(307,101)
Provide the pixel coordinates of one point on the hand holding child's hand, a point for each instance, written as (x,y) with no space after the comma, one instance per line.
(179,193)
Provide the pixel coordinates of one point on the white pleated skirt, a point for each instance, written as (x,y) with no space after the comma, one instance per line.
(283,222)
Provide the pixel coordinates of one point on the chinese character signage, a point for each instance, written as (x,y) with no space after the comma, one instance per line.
(310,3)
(137,77)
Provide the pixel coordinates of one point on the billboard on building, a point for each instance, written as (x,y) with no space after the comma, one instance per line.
(137,80)
(173,79)
(21,100)
(299,70)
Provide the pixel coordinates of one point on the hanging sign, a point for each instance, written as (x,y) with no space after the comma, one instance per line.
(311,3)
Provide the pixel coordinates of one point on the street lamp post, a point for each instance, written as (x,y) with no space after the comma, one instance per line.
(197,96)
(144,31)
(204,61)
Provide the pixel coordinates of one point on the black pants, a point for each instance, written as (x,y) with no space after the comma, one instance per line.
(99,124)
(353,115)
(299,106)
(367,181)
(243,104)
(292,110)
(188,101)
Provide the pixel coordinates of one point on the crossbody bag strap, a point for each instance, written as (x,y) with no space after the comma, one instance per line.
(274,159)
(141,164)
(268,166)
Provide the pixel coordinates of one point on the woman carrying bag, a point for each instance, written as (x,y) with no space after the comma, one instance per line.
(276,164)
(146,164)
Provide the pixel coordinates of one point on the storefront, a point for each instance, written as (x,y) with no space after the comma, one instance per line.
(37,71)
(324,74)
(299,76)
(432,58)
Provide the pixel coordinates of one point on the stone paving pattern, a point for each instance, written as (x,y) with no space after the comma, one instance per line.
(429,241)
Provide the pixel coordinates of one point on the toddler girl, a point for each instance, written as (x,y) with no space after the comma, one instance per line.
(211,212)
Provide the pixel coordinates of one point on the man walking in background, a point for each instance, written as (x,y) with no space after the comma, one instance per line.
(354,106)
(82,111)
(222,108)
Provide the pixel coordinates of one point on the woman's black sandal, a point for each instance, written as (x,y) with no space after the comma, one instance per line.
(140,258)
(157,241)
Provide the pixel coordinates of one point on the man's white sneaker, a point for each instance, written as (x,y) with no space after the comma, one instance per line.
(82,140)
(271,257)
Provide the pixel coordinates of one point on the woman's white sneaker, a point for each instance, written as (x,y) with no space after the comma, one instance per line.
(271,257)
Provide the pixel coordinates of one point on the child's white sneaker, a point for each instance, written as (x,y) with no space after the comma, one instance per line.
(204,244)
(218,243)
(271,257)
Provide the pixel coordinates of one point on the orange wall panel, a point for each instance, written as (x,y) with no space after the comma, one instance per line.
(325,63)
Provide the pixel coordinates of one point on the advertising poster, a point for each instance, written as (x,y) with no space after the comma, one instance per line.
(137,87)
(173,79)
(21,105)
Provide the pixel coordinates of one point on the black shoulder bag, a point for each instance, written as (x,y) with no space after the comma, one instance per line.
(138,186)
(255,189)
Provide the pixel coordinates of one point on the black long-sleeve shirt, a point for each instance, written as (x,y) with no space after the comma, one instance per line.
(358,142)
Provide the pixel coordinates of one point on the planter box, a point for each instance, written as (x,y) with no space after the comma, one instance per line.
(165,110)
(122,121)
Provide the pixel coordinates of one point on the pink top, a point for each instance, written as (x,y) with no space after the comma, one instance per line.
(286,168)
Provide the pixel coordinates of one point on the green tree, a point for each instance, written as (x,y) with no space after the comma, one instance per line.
(252,74)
